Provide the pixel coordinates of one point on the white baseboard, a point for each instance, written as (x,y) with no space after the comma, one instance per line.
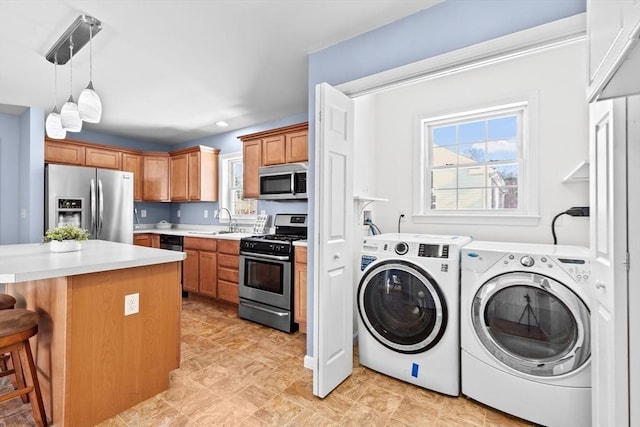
(309,362)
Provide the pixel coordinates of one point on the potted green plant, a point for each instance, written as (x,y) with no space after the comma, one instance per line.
(66,238)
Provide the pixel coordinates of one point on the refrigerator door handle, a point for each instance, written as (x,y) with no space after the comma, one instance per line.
(101,205)
(92,196)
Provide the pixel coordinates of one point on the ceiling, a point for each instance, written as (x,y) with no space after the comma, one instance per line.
(168,70)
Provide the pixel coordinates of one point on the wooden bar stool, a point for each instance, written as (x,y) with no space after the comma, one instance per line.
(16,327)
(7,302)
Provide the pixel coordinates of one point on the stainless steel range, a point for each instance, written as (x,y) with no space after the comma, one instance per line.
(266,273)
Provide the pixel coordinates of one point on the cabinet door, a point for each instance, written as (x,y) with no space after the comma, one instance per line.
(251,162)
(179,178)
(155,241)
(193,176)
(300,288)
(296,147)
(102,158)
(191,271)
(300,296)
(208,274)
(142,239)
(155,184)
(63,152)
(133,163)
(273,150)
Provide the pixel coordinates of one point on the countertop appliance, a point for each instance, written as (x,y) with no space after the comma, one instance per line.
(266,273)
(407,299)
(283,182)
(525,330)
(99,200)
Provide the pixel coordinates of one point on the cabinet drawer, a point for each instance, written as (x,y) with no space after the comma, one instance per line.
(230,261)
(231,247)
(228,291)
(228,274)
(199,243)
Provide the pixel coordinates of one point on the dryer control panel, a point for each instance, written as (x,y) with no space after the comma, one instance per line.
(578,268)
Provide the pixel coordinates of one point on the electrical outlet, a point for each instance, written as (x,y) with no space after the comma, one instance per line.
(178,213)
(206,213)
(143,213)
(131,304)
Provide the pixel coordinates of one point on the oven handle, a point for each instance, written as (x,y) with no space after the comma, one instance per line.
(277,313)
(265,256)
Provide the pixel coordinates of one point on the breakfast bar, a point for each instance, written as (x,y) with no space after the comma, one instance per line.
(94,361)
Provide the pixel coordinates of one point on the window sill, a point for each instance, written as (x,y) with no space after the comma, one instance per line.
(479,219)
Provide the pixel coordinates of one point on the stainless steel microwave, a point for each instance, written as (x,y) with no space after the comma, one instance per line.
(283,182)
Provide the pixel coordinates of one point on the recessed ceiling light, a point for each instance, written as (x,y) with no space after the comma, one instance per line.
(222,124)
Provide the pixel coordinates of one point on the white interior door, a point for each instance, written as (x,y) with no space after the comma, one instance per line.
(609,313)
(334,228)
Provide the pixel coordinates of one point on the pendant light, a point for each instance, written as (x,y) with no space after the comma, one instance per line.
(70,116)
(89,103)
(53,125)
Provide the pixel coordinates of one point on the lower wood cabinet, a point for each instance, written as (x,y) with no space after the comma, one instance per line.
(300,288)
(146,239)
(228,270)
(200,269)
(212,268)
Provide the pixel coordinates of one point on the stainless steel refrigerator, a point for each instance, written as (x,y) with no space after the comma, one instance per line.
(100,200)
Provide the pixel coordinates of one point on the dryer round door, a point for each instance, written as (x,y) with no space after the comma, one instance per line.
(402,306)
(532,323)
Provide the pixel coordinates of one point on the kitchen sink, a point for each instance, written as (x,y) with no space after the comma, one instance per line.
(211,233)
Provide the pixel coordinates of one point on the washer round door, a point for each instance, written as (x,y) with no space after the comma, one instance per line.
(402,306)
(532,323)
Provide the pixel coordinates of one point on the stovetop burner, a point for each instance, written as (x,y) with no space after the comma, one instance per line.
(289,228)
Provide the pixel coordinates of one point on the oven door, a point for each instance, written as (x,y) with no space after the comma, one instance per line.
(266,279)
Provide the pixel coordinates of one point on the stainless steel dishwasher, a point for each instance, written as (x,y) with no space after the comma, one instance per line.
(174,243)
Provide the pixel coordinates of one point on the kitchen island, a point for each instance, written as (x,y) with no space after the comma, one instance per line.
(93,361)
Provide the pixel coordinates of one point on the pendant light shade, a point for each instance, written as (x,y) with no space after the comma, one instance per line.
(53,124)
(70,116)
(89,103)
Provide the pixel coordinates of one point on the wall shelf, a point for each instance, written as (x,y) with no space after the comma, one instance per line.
(579,174)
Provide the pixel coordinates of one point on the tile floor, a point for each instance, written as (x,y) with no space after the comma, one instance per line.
(237,373)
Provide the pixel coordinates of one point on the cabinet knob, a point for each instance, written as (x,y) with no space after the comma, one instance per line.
(600,285)
(336,255)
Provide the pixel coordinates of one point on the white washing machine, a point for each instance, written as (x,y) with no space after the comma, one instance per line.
(525,330)
(408,302)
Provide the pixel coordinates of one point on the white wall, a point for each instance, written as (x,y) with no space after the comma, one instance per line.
(557,78)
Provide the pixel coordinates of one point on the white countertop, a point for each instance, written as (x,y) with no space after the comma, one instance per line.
(300,243)
(20,263)
(208,234)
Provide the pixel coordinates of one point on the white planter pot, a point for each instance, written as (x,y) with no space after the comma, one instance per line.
(64,246)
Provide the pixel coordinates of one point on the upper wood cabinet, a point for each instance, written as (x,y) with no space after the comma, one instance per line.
(155,186)
(103,158)
(273,147)
(251,161)
(133,163)
(614,50)
(194,174)
(63,151)
(273,150)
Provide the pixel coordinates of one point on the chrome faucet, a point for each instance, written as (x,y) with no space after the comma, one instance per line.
(230,218)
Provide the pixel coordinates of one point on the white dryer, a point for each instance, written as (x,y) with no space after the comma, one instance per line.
(525,330)
(408,302)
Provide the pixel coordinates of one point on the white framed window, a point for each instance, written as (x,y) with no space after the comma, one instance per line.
(231,173)
(477,166)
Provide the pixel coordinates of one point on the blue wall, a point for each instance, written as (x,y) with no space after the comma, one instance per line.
(21,177)
(445,27)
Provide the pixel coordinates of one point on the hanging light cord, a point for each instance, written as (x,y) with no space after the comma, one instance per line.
(70,71)
(91,55)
